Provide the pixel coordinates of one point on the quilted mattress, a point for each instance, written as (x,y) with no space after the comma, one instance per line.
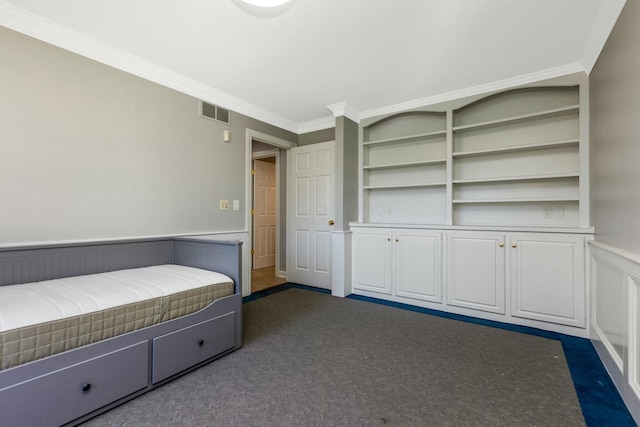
(44,318)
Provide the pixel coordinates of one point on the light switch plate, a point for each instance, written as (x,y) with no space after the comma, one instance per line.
(236,205)
(224,205)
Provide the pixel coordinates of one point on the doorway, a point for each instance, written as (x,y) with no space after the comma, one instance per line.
(264,273)
(266,218)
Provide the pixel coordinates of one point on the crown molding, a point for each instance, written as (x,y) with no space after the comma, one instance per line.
(319,124)
(345,109)
(50,32)
(607,16)
(476,90)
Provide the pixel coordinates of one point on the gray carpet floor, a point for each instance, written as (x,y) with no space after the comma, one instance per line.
(310,359)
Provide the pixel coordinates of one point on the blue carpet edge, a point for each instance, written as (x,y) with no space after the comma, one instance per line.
(599,399)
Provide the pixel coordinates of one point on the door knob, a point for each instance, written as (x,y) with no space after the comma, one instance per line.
(331,222)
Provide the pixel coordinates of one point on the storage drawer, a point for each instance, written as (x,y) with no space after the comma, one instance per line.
(64,395)
(179,350)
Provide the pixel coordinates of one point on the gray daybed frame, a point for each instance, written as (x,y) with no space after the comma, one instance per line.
(71,387)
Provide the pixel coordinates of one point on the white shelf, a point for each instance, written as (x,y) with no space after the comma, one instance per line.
(517,148)
(503,159)
(516,178)
(405,164)
(386,187)
(538,115)
(405,139)
(524,200)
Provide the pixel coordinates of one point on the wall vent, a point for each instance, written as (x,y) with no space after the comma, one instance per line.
(214,112)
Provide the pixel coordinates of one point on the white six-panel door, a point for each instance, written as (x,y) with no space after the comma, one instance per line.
(311,214)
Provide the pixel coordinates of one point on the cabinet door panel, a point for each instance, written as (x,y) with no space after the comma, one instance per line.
(476,271)
(372,261)
(418,260)
(547,276)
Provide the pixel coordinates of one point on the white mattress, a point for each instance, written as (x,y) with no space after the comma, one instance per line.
(39,302)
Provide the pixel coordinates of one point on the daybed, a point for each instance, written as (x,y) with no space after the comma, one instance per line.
(65,371)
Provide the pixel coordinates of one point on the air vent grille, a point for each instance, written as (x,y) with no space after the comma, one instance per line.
(214,112)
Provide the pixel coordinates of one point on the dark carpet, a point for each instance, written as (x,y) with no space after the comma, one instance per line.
(310,359)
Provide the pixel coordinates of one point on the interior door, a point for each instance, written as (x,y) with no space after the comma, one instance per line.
(264,218)
(311,214)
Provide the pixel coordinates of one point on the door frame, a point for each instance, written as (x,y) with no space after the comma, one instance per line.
(252,135)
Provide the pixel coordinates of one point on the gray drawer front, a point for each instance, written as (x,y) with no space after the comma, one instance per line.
(58,397)
(186,347)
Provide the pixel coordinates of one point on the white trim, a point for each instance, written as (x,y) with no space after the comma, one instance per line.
(341,254)
(319,124)
(608,13)
(252,135)
(345,109)
(476,90)
(630,256)
(35,26)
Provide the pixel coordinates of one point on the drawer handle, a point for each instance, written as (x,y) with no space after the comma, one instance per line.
(200,342)
(86,387)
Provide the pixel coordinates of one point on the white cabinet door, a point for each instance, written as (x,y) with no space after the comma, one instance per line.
(418,264)
(372,260)
(476,265)
(547,278)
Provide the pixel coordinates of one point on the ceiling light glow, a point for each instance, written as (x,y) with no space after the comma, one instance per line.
(266,3)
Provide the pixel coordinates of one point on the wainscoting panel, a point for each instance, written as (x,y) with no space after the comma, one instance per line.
(615,276)
(634,343)
(609,313)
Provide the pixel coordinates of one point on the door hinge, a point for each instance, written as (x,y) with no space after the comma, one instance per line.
(253,171)
(253,211)
(253,251)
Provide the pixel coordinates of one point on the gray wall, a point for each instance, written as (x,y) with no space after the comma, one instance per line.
(615,135)
(90,152)
(317,136)
(347,153)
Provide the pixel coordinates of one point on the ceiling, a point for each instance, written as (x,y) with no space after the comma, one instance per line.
(321,58)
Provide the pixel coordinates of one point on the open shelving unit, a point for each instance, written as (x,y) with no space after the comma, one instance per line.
(511,158)
(404,168)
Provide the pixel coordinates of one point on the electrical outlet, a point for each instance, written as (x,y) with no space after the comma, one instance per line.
(236,205)
(547,211)
(224,205)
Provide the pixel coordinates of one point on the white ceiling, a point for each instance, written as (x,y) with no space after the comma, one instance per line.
(366,56)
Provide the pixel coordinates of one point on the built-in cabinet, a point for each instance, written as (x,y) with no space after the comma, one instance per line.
(548,277)
(403,263)
(517,277)
(499,184)
(476,271)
